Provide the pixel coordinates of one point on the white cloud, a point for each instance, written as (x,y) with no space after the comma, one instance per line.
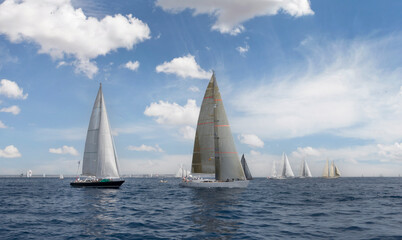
(231,13)
(251,139)
(62,31)
(243,50)
(187,132)
(13,109)
(305,152)
(64,150)
(2,125)
(390,152)
(10,152)
(133,66)
(173,113)
(194,89)
(145,148)
(11,89)
(345,88)
(184,67)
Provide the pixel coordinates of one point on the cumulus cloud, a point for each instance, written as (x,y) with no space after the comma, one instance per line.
(145,148)
(345,88)
(11,89)
(10,152)
(64,150)
(13,109)
(173,113)
(187,132)
(304,152)
(251,140)
(243,50)
(184,67)
(2,125)
(230,14)
(133,66)
(194,89)
(63,32)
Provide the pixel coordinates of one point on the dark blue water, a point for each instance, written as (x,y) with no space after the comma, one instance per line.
(344,208)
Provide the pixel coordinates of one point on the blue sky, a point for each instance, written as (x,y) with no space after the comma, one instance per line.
(317,80)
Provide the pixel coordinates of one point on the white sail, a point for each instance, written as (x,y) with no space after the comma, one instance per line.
(100,159)
(287,170)
(332,170)
(337,173)
(274,173)
(305,170)
(325,173)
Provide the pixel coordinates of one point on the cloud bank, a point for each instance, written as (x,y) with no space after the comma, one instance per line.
(64,150)
(145,148)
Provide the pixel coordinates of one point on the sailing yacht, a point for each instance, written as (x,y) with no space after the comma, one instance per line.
(305,170)
(274,174)
(214,148)
(286,170)
(246,170)
(182,172)
(99,168)
(331,171)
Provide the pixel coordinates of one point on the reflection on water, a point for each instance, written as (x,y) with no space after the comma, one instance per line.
(100,206)
(215,211)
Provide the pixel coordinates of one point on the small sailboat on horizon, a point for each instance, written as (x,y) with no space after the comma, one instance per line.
(287,169)
(99,165)
(214,149)
(274,174)
(331,171)
(305,170)
(246,170)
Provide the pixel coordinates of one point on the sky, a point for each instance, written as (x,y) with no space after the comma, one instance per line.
(315,79)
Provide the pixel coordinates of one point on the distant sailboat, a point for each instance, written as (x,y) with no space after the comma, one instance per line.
(331,171)
(100,159)
(246,170)
(274,174)
(61,176)
(305,170)
(287,170)
(29,173)
(214,149)
(182,172)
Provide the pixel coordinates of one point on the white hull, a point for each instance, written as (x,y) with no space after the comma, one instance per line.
(214,184)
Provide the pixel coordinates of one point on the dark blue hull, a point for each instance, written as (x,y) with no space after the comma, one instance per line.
(110,184)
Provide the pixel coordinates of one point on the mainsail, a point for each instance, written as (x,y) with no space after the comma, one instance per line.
(214,149)
(287,170)
(246,170)
(100,159)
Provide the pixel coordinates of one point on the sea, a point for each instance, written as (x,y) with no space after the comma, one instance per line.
(146,208)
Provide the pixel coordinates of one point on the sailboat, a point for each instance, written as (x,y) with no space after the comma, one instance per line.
(274,174)
(305,170)
(214,149)
(287,170)
(331,171)
(246,170)
(182,172)
(100,159)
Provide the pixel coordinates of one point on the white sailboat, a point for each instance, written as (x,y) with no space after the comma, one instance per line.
(99,167)
(286,170)
(61,176)
(274,174)
(214,149)
(331,171)
(305,170)
(182,172)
